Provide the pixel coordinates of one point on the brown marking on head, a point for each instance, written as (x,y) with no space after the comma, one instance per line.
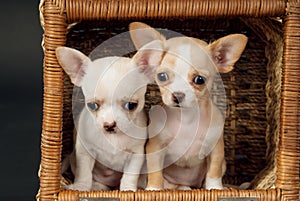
(169,60)
(191,76)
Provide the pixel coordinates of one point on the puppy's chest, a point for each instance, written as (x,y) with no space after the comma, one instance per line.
(120,144)
(115,150)
(185,152)
(184,142)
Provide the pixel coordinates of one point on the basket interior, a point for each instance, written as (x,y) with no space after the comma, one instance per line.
(252,107)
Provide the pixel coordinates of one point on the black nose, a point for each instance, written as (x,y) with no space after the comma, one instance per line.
(110,127)
(178,97)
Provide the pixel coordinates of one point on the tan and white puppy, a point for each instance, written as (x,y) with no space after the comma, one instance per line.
(186,147)
(112,127)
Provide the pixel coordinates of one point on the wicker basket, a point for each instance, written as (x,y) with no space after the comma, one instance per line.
(262,114)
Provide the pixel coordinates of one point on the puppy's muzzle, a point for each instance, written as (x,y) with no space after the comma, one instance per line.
(110,127)
(178,97)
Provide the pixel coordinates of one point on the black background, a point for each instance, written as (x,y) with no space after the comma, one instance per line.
(21,88)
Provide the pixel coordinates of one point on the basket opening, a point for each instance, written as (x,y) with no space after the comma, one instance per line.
(252,105)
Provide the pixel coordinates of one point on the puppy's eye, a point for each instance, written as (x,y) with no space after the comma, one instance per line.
(93,106)
(130,106)
(199,80)
(162,77)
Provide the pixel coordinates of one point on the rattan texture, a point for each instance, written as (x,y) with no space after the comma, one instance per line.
(262,118)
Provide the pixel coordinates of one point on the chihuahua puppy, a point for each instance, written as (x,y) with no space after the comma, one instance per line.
(186,146)
(112,127)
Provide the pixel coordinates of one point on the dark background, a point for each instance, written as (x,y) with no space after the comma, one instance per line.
(21,88)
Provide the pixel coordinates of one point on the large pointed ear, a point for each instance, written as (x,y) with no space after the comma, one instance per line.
(227,50)
(73,62)
(142,34)
(149,57)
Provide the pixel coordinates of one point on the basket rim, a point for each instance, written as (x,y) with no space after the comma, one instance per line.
(77,10)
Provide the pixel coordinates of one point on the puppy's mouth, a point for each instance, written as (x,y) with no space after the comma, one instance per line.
(179,106)
(112,131)
(175,105)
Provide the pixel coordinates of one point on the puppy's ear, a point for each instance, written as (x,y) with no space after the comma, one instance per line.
(149,57)
(73,62)
(227,50)
(142,34)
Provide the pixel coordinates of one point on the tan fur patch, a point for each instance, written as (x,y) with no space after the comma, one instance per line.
(169,60)
(191,77)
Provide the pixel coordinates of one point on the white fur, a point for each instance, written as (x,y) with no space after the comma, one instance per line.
(105,159)
(213,183)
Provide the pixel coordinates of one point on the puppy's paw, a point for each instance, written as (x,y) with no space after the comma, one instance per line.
(128,187)
(213,183)
(184,188)
(78,187)
(150,188)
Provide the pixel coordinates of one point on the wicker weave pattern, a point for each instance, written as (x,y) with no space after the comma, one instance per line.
(53,100)
(131,9)
(213,195)
(288,156)
(57,16)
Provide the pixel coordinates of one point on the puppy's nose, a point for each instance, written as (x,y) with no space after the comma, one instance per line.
(178,97)
(109,127)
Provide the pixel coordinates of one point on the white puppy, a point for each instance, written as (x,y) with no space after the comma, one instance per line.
(111,130)
(186,149)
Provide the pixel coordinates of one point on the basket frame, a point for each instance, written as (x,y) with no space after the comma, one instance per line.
(57,16)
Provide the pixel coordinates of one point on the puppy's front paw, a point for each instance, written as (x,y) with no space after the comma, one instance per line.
(128,187)
(150,188)
(184,188)
(213,183)
(78,187)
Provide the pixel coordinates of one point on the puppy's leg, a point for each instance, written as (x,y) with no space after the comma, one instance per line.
(132,168)
(170,186)
(155,160)
(84,166)
(216,167)
(183,188)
